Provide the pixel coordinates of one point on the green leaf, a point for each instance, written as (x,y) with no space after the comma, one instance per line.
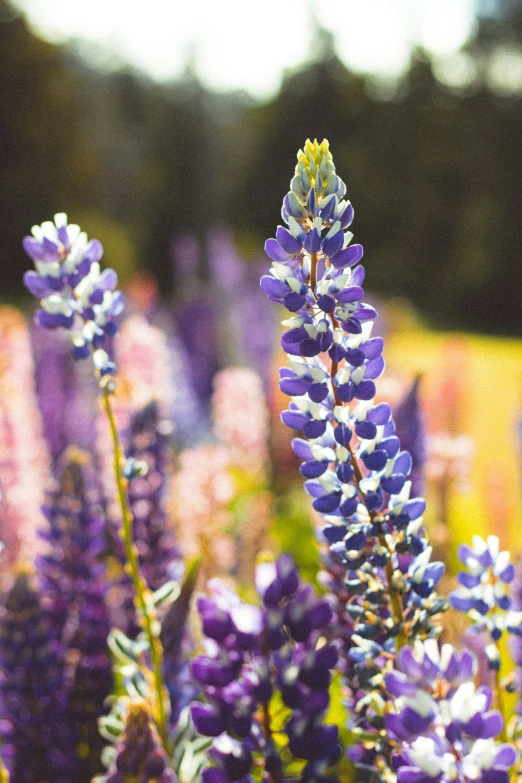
(166,593)
(122,647)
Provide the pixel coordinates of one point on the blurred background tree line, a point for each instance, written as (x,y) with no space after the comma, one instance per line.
(434,171)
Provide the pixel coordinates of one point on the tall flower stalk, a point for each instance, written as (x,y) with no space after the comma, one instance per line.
(77,295)
(352,461)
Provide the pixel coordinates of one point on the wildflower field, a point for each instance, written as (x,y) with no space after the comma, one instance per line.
(218,564)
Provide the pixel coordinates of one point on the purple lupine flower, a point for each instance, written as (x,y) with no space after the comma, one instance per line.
(258,338)
(66,395)
(443,725)
(37,744)
(355,470)
(92,682)
(252,652)
(484,592)
(147,460)
(74,586)
(195,319)
(351,456)
(410,429)
(76,535)
(249,340)
(74,293)
(160,559)
(139,755)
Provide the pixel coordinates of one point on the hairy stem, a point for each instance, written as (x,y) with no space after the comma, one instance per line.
(142,597)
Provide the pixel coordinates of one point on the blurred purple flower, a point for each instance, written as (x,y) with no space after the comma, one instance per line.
(38,744)
(66,395)
(410,429)
(74,587)
(160,559)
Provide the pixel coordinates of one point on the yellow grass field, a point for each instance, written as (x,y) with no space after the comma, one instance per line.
(471,389)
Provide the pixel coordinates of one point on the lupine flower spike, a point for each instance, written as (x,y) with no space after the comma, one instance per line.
(37,742)
(74,586)
(76,295)
(352,461)
(485,596)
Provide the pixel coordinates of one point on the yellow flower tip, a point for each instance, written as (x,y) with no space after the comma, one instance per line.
(24,571)
(314,157)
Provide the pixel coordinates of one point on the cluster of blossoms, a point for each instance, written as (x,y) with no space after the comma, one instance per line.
(354,468)
(443,725)
(484,593)
(74,293)
(77,296)
(253,652)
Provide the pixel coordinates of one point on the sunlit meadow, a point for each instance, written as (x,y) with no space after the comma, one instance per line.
(177,603)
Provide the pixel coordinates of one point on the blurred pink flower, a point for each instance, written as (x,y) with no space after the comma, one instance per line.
(24,462)
(241,417)
(201,490)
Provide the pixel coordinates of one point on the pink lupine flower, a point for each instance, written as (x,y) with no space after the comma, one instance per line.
(241,417)
(24,461)
(201,490)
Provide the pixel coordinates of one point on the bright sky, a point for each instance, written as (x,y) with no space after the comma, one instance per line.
(248,44)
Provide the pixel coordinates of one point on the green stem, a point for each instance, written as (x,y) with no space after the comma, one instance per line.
(501,706)
(144,610)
